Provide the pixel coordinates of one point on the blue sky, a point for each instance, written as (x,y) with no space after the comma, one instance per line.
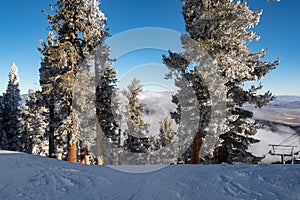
(22,25)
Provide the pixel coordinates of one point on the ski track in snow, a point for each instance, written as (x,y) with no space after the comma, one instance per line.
(32,177)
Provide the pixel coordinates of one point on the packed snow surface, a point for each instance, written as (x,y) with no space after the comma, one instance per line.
(33,177)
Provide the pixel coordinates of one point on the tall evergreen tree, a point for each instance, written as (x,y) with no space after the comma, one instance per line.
(104,75)
(69,43)
(35,123)
(223,29)
(48,76)
(85,112)
(59,66)
(137,127)
(135,109)
(11,137)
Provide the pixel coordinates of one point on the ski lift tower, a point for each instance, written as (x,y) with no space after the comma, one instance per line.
(283,151)
(297,159)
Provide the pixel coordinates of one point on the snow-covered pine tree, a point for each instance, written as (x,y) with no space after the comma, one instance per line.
(85,112)
(35,123)
(137,128)
(105,76)
(11,137)
(48,74)
(166,131)
(223,29)
(69,42)
(58,70)
(105,87)
(193,104)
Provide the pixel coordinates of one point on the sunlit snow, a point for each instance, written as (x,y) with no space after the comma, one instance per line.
(33,177)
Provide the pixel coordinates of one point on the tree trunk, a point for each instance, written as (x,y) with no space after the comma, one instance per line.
(72,144)
(99,144)
(222,154)
(87,159)
(72,152)
(197,143)
(100,160)
(84,156)
(51,131)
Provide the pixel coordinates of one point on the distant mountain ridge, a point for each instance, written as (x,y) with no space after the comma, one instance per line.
(284,110)
(286,102)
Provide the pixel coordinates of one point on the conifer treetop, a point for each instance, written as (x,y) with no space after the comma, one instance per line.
(13,75)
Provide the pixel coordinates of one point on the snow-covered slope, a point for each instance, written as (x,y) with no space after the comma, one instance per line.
(32,177)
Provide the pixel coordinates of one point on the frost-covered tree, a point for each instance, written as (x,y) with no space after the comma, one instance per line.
(104,75)
(136,126)
(85,112)
(48,74)
(166,131)
(57,73)
(222,28)
(35,123)
(105,88)
(193,105)
(11,137)
(135,109)
(69,42)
